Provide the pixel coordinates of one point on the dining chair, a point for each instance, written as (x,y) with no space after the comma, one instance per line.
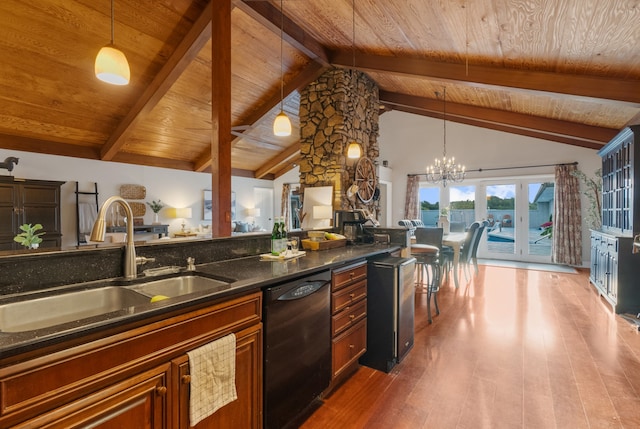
(474,250)
(467,248)
(433,236)
(428,266)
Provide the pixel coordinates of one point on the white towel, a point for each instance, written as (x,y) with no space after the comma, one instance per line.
(87,215)
(213,378)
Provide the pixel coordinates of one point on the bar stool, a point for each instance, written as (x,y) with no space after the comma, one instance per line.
(428,256)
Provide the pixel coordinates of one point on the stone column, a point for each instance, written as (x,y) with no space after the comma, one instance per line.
(340,107)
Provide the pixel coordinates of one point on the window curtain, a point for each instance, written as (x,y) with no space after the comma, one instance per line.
(285,204)
(411,201)
(567,218)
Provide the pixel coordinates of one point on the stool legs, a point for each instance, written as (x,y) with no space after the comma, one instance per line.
(432,289)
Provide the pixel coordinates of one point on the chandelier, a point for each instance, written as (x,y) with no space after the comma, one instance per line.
(445,170)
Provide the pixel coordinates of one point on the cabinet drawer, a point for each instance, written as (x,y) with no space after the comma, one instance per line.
(348,347)
(348,275)
(348,317)
(348,296)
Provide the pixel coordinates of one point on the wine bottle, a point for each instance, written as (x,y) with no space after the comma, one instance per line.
(275,238)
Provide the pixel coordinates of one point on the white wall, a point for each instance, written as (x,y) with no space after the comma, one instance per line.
(411,142)
(175,188)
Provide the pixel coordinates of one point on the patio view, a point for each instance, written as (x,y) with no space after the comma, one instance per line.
(500,211)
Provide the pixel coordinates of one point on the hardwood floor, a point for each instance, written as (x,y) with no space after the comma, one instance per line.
(511,348)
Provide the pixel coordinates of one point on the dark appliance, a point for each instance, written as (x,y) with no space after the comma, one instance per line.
(350,223)
(390,311)
(297,349)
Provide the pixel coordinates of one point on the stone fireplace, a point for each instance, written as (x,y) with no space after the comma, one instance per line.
(338,108)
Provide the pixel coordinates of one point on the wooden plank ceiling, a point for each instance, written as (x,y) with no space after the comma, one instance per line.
(566,71)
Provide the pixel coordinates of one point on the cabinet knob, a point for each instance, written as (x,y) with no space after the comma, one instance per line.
(186,379)
(352,316)
(161,390)
(351,295)
(351,346)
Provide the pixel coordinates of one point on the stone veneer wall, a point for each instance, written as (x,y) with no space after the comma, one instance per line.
(339,107)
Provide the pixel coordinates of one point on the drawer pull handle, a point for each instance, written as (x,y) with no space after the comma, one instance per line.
(161,390)
(351,295)
(351,346)
(352,316)
(351,274)
(186,379)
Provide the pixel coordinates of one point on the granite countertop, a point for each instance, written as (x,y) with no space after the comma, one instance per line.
(245,275)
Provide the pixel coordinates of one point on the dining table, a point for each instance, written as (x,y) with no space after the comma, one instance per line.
(455,240)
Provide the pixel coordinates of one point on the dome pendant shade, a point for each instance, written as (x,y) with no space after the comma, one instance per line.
(354,151)
(282,125)
(111,66)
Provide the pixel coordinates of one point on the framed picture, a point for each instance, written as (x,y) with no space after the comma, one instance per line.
(207,205)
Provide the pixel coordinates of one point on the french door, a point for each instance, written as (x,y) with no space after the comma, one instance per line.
(520,215)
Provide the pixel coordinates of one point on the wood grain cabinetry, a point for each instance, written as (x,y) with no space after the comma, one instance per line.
(614,268)
(348,319)
(29,201)
(137,378)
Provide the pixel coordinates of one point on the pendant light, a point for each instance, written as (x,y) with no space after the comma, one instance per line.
(354,151)
(282,124)
(111,64)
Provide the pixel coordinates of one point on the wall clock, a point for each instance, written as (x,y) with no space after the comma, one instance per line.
(366,179)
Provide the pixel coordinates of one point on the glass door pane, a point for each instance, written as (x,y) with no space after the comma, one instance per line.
(462,207)
(541,199)
(429,205)
(501,213)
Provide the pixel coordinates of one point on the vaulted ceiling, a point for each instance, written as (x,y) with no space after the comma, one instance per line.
(566,71)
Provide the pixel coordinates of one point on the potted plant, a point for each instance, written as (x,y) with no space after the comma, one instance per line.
(29,238)
(156,206)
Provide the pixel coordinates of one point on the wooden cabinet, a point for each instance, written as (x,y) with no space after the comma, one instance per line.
(614,268)
(614,271)
(348,319)
(29,201)
(137,377)
(248,373)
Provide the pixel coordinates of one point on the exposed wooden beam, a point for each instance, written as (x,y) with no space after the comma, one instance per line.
(221,117)
(563,83)
(516,123)
(152,161)
(270,17)
(186,51)
(276,162)
(238,172)
(288,166)
(28,144)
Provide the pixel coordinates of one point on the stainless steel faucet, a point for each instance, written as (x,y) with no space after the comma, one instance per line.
(191,264)
(97,234)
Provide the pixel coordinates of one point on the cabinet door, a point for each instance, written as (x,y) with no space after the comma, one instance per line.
(244,412)
(7,216)
(140,402)
(612,276)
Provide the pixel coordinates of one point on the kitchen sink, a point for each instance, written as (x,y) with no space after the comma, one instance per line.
(177,286)
(48,311)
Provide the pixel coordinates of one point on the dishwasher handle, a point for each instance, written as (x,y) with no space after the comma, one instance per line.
(302,290)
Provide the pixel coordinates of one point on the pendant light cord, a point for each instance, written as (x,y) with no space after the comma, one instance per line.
(281,58)
(353,33)
(444,120)
(112,20)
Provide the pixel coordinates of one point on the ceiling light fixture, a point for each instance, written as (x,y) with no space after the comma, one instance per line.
(354,151)
(445,170)
(111,64)
(282,124)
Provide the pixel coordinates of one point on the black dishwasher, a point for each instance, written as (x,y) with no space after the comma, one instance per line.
(297,349)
